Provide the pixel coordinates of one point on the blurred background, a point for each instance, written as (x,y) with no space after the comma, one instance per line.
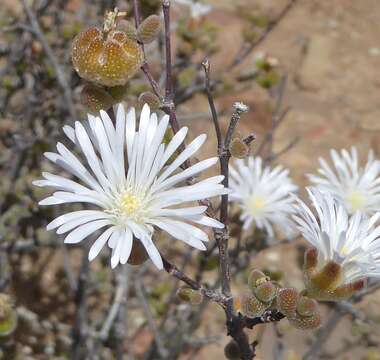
(315,63)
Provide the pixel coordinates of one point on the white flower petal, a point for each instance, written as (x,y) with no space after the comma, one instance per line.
(85,230)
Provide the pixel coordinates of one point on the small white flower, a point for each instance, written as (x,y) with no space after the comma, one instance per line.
(133,199)
(197,9)
(352,242)
(358,188)
(263,195)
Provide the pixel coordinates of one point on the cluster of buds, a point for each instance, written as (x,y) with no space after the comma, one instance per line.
(189,295)
(301,311)
(8,316)
(110,56)
(326,281)
(266,68)
(260,297)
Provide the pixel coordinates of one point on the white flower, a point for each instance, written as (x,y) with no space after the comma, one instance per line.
(197,9)
(352,242)
(131,201)
(263,194)
(358,188)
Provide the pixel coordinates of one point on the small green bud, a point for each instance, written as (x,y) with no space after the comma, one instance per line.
(149,29)
(255,278)
(306,306)
(8,316)
(95,98)
(118,93)
(232,351)
(268,79)
(239,149)
(266,292)
(151,99)
(189,295)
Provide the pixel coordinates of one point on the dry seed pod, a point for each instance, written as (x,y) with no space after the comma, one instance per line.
(232,351)
(239,149)
(149,29)
(106,58)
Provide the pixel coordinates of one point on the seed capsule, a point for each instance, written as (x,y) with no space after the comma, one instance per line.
(239,149)
(106,58)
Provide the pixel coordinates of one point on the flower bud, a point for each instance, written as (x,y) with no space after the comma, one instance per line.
(328,277)
(8,316)
(310,260)
(255,278)
(128,28)
(306,306)
(266,292)
(306,322)
(94,99)
(347,290)
(239,149)
(287,301)
(107,58)
(151,99)
(118,93)
(149,29)
(138,253)
(232,351)
(251,306)
(189,295)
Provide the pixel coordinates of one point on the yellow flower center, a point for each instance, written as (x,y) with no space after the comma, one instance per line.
(256,204)
(129,204)
(356,200)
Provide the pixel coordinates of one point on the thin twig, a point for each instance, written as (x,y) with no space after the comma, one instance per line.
(50,54)
(246,50)
(206,67)
(323,335)
(122,283)
(80,327)
(148,313)
(210,294)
